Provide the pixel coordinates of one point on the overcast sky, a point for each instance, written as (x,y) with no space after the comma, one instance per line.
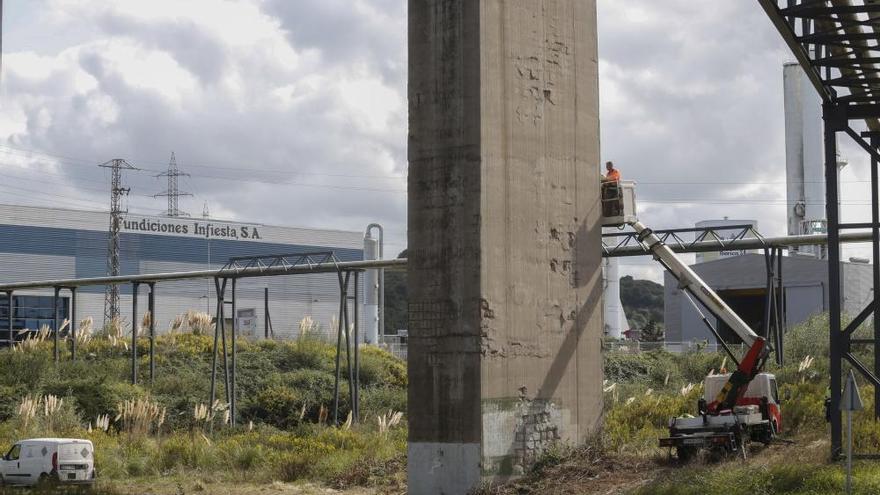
(294,112)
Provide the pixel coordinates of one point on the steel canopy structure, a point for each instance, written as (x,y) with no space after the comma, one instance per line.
(837,42)
(715,239)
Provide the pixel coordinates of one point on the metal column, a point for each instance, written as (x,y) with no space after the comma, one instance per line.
(232,374)
(874,138)
(338,350)
(832,207)
(345,329)
(213,393)
(356,401)
(266,313)
(11,317)
(57,323)
(219,335)
(134,331)
(774,327)
(342,330)
(151,307)
(73,323)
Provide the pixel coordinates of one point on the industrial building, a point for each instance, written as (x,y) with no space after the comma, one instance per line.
(741,281)
(50,244)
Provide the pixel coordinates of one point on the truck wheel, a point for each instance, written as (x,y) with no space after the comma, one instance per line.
(685,454)
(718,454)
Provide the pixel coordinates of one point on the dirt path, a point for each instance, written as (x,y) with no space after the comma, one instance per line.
(170,486)
(606,474)
(586,472)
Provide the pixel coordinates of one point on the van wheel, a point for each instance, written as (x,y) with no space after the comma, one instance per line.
(46,481)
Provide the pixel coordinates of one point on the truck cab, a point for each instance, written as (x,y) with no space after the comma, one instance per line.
(756,417)
(762,395)
(64,461)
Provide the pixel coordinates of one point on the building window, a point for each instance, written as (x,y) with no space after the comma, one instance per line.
(32,312)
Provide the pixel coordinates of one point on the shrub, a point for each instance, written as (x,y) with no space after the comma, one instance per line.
(379,367)
(380,399)
(277,405)
(637,423)
(810,338)
(94,396)
(185,451)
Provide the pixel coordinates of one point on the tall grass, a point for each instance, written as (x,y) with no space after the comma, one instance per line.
(167,428)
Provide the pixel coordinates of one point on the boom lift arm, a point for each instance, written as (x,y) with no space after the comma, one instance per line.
(753,361)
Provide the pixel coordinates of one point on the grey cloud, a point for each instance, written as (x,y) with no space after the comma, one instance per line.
(712,112)
(334,28)
(724,131)
(199,52)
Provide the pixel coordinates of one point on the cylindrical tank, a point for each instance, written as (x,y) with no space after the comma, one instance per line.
(804,158)
(371,291)
(814,159)
(614,317)
(794,148)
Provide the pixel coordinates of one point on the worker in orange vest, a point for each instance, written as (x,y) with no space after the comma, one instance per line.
(613,174)
(612,204)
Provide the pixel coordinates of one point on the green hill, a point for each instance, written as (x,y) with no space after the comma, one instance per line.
(642,301)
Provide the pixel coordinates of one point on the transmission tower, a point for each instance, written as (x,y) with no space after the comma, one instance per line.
(173,193)
(111,295)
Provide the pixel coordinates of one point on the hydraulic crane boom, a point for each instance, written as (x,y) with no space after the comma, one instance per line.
(688,280)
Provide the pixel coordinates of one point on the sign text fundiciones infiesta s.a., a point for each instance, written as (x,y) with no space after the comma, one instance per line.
(193,228)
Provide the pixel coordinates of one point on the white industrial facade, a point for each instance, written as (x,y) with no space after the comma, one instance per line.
(741,282)
(48,243)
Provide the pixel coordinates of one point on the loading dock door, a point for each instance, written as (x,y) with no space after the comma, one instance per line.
(803,302)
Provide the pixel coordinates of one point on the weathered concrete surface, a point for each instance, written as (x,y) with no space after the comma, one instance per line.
(504,236)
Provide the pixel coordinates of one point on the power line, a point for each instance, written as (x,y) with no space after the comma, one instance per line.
(269,181)
(81,162)
(749,201)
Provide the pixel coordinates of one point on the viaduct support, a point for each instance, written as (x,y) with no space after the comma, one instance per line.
(505,316)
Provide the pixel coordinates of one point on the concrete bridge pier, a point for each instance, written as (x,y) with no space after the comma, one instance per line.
(504,237)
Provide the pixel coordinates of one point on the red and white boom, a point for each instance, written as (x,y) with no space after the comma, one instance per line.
(751,364)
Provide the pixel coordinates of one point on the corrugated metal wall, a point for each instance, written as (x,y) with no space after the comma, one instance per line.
(42,243)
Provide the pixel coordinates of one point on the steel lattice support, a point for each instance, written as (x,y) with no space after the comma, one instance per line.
(111,299)
(173,192)
(835,43)
(837,120)
(774,313)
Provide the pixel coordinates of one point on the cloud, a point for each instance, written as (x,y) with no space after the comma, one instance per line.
(692,110)
(276,117)
(295,113)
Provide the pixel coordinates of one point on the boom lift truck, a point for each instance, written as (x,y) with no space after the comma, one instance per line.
(737,407)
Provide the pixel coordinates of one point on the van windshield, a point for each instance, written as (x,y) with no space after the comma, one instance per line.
(13,453)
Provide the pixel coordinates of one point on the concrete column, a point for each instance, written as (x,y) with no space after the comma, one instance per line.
(505,317)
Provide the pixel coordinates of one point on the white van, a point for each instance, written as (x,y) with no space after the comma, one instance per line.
(49,460)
